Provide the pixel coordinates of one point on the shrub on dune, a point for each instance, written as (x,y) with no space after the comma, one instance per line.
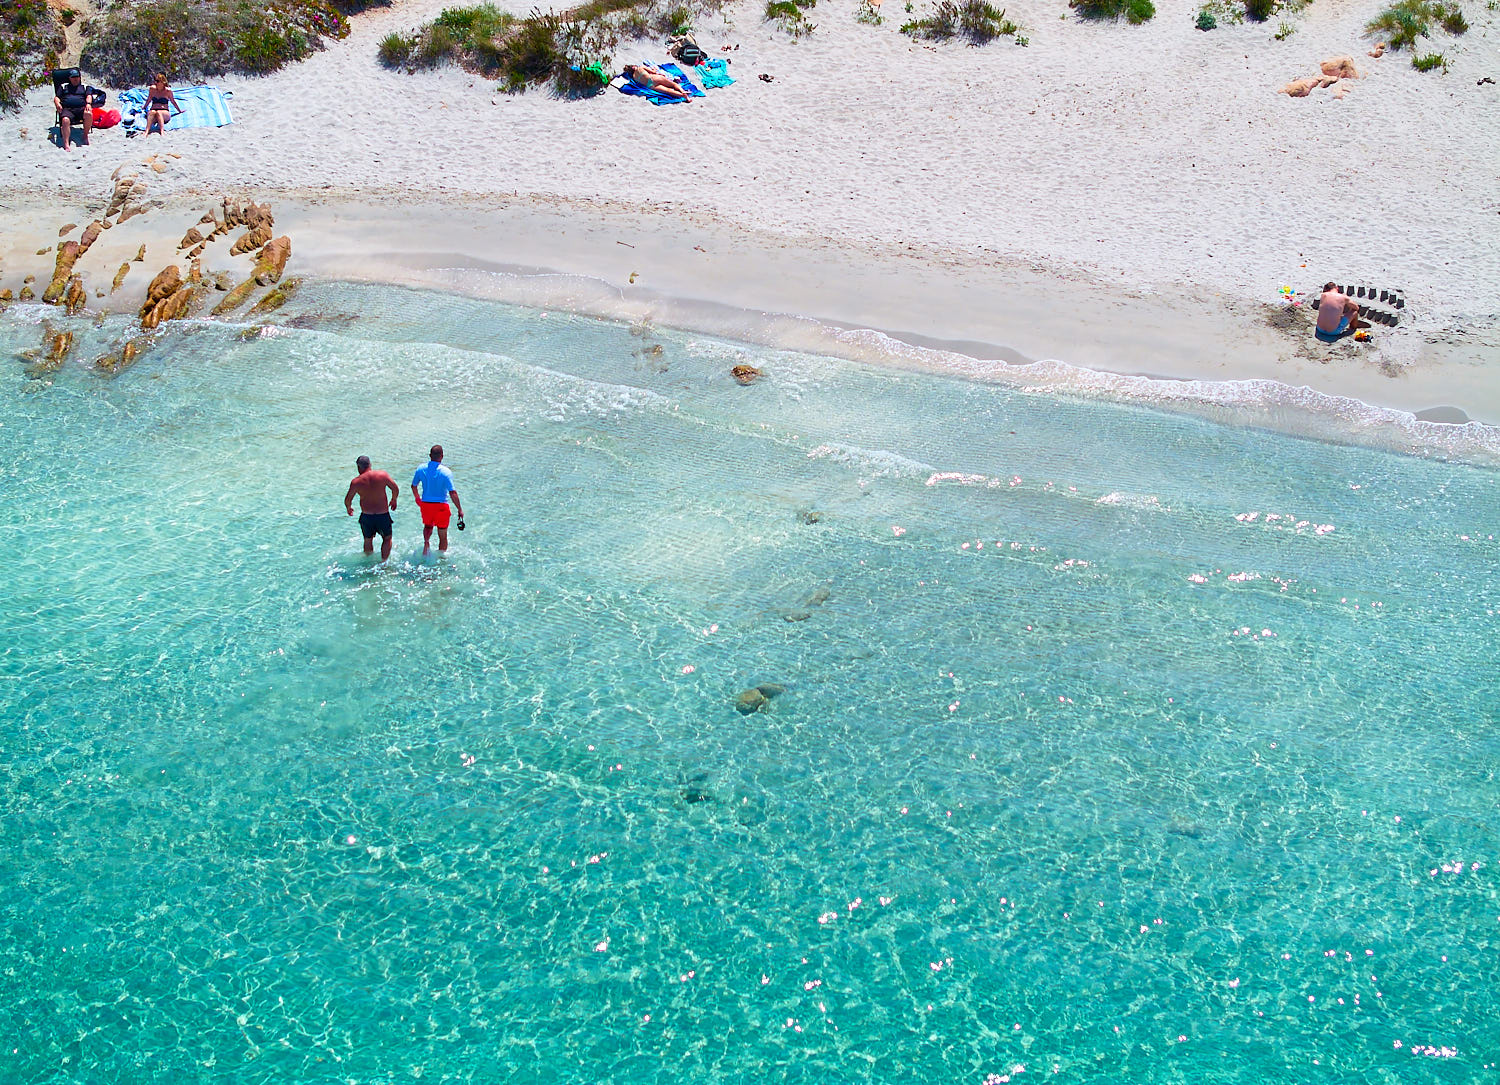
(1403,23)
(791,16)
(1134,11)
(30,39)
(208,37)
(976,20)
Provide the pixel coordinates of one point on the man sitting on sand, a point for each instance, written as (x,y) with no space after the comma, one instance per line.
(374,510)
(644,75)
(432,486)
(1338,315)
(75,105)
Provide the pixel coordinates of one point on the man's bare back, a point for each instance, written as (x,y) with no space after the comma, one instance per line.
(372,486)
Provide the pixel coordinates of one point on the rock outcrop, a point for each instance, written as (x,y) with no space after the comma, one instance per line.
(123,358)
(91,234)
(276,297)
(269,264)
(76,297)
(67,255)
(167,280)
(175,305)
(253,238)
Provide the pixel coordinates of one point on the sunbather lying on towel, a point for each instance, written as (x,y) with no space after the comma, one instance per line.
(644,75)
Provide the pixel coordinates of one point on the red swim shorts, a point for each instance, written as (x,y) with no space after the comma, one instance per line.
(435,514)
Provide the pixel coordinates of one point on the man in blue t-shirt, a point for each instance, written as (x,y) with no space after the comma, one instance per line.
(432,486)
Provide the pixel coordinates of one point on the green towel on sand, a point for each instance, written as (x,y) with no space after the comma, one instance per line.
(714,73)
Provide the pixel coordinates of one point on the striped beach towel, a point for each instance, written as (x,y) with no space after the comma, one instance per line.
(202,107)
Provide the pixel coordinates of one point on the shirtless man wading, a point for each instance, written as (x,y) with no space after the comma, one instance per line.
(374,511)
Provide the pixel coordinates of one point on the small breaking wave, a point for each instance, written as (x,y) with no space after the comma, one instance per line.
(873,462)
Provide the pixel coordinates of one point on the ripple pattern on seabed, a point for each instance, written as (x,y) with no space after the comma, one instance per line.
(1115,745)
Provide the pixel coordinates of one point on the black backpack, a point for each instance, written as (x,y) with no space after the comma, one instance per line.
(689,52)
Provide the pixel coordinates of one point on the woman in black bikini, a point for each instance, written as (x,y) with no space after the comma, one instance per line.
(157,108)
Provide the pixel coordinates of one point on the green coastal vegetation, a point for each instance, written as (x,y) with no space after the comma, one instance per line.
(195,38)
(1405,21)
(572,51)
(188,39)
(791,16)
(976,21)
(1134,12)
(31,37)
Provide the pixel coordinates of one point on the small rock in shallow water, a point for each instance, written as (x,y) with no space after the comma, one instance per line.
(770,689)
(750,700)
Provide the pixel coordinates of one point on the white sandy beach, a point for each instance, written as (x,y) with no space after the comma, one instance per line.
(1123,198)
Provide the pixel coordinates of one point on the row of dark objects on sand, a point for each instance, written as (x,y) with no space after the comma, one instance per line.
(1392,298)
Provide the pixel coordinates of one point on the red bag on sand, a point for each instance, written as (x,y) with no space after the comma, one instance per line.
(106,118)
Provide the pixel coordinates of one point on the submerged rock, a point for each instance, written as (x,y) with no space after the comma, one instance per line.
(269,265)
(123,358)
(745,374)
(750,700)
(58,345)
(696,789)
(276,297)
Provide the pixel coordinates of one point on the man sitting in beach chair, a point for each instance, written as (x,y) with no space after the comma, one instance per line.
(75,103)
(1338,315)
(644,75)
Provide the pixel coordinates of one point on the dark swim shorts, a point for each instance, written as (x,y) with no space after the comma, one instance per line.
(375,523)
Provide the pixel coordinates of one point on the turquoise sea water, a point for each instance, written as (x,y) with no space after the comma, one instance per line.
(1115,746)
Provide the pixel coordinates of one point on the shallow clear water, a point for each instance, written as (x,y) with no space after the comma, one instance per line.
(1115,744)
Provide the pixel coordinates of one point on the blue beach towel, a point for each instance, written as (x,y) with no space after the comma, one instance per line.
(714,73)
(687,84)
(202,107)
(656,97)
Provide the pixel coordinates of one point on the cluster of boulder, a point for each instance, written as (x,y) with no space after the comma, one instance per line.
(173,292)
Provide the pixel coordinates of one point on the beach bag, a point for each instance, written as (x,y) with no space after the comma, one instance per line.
(106,118)
(689,52)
